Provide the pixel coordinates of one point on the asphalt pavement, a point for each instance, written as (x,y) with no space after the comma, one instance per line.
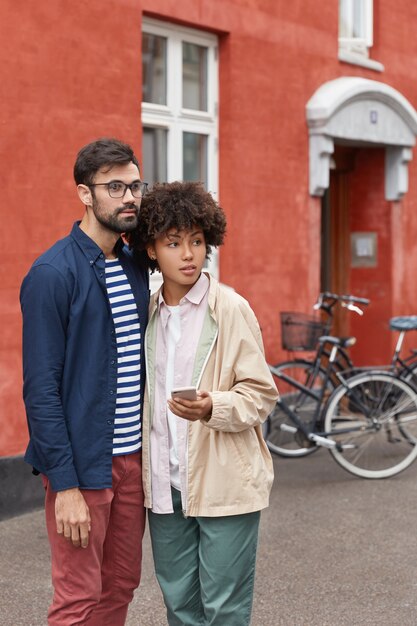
(334,550)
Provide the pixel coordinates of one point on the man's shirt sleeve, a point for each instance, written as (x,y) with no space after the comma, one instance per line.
(45,301)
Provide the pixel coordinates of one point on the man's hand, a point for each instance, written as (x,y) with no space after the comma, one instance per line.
(72,517)
(193,410)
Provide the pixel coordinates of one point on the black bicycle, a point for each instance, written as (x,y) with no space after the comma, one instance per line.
(301,332)
(368,422)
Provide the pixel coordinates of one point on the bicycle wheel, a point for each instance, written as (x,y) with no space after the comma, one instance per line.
(373,419)
(280,434)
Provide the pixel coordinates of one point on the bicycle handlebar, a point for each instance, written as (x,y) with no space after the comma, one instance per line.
(327,300)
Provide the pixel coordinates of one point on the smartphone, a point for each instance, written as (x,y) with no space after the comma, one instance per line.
(187,393)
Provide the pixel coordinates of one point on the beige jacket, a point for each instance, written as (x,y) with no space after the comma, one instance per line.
(229,466)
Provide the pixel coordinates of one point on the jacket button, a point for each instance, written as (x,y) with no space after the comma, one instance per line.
(110,422)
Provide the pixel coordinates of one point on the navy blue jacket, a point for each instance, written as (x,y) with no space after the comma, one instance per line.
(70,360)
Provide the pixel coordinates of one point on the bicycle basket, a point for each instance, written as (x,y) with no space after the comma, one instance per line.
(300,331)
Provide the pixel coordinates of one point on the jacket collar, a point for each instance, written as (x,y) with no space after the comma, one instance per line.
(157,298)
(194,295)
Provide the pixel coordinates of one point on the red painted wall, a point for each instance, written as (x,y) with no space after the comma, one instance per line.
(71,71)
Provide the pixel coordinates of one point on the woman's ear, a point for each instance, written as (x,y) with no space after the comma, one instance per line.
(151,253)
(84,193)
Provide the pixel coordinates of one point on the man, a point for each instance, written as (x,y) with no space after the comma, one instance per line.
(84,305)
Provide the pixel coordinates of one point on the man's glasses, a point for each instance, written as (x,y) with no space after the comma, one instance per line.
(117,189)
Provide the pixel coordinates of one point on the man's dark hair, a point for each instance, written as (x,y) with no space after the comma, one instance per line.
(179,205)
(99,153)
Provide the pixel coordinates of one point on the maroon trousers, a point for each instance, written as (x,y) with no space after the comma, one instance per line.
(93,586)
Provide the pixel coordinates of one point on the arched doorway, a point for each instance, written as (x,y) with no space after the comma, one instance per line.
(361,137)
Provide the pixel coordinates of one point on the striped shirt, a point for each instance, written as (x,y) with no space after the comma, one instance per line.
(127,437)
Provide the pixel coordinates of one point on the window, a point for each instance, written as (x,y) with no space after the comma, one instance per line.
(179,106)
(356,32)
(355,24)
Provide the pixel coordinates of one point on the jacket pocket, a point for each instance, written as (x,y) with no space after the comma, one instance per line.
(244,447)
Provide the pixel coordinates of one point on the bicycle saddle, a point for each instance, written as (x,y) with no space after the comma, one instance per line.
(343,342)
(403,322)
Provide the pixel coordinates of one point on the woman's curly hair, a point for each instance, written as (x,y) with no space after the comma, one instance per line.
(179,205)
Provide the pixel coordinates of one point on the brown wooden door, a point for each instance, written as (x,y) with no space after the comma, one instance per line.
(335,243)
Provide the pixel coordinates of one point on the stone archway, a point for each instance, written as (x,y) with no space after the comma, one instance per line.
(361,112)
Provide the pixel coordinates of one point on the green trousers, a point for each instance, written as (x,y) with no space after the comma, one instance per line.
(205,566)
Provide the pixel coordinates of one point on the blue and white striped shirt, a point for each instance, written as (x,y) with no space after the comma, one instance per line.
(127,437)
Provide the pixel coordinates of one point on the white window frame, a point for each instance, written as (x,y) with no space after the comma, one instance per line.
(355,50)
(174,118)
(360,44)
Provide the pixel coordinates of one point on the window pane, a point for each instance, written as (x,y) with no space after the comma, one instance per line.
(352,19)
(194,157)
(194,77)
(359,30)
(154,155)
(345,19)
(154,69)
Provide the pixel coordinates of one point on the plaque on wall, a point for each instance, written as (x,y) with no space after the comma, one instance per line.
(363,248)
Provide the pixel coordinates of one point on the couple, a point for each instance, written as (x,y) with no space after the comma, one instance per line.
(94,428)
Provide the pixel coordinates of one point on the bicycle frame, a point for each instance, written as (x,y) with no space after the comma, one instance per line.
(402,366)
(312,434)
(342,362)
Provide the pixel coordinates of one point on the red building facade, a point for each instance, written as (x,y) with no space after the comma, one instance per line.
(309,146)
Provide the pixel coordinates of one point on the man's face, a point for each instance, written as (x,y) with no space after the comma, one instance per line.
(120,215)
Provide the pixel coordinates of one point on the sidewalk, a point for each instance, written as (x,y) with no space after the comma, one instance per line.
(334,550)
(25,589)
(25,577)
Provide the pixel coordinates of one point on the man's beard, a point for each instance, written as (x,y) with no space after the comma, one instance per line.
(114,222)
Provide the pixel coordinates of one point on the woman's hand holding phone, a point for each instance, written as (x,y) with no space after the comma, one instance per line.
(190,404)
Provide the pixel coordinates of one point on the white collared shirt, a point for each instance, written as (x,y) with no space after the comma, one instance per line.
(175,356)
